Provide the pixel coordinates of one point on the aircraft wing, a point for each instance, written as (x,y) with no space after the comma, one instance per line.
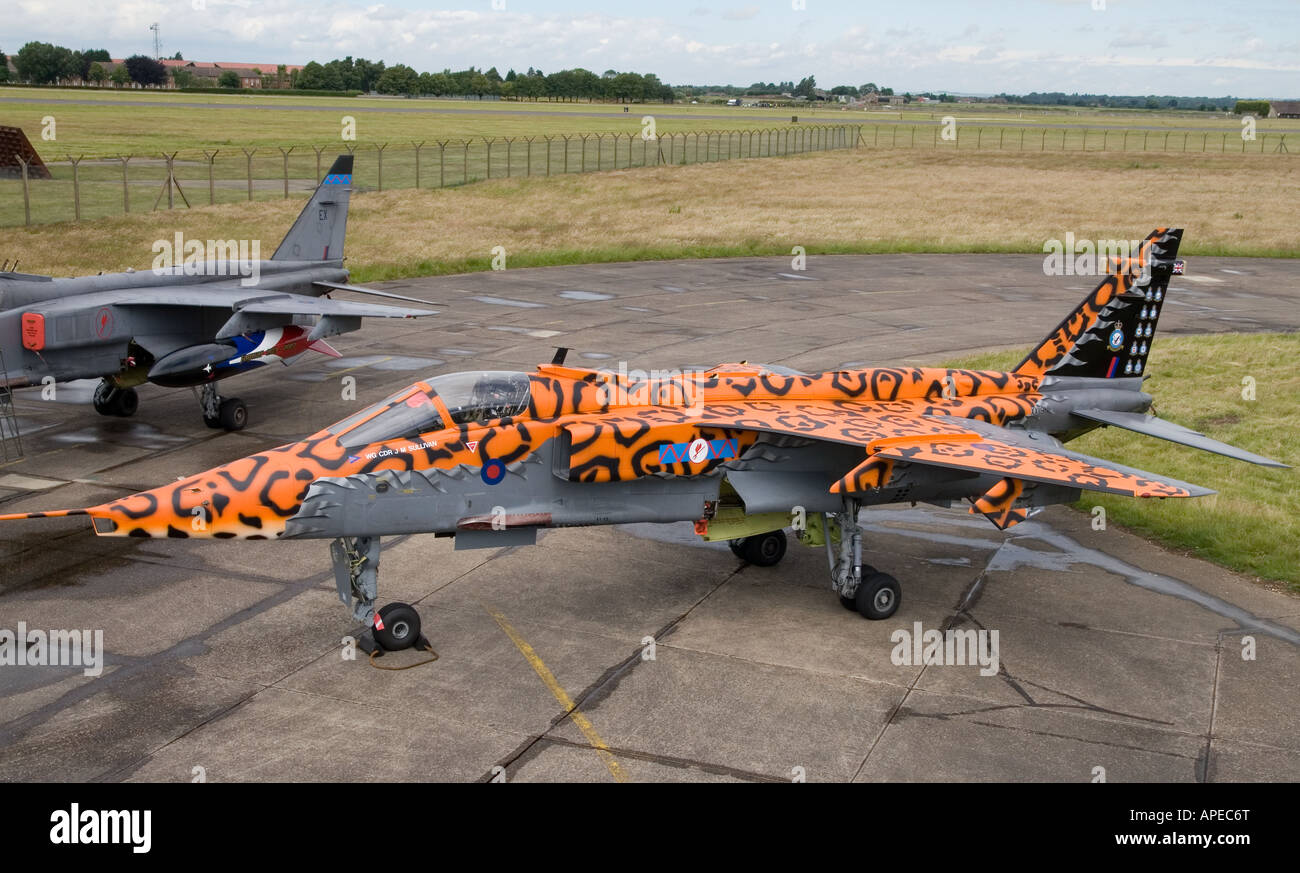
(277,303)
(838,421)
(978,453)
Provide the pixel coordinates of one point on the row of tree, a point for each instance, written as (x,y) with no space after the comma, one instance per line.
(42,63)
(576,84)
(1150,101)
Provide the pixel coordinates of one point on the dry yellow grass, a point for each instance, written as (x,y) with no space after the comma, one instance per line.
(846,201)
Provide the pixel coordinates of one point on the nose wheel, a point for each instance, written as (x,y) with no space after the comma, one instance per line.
(229,413)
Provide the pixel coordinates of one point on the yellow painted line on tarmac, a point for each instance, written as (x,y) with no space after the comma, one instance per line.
(548,679)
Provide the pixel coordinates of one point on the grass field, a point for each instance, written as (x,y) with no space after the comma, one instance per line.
(1253,524)
(232,149)
(109,123)
(841,201)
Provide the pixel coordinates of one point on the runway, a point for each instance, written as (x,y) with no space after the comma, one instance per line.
(636,653)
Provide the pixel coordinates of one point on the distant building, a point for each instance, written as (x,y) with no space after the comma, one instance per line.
(1284,109)
(207,73)
(872,99)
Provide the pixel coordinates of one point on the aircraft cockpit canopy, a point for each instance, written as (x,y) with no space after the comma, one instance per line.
(474,397)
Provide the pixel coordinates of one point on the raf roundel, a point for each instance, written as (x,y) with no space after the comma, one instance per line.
(493,471)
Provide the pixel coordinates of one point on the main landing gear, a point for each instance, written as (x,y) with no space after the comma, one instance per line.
(391,628)
(229,413)
(860,586)
(112,400)
(761,550)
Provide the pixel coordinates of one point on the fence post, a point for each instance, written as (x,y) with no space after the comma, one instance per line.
(912,145)
(76,188)
(566,152)
(317,150)
(1002,132)
(1084,148)
(417,148)
(489,155)
(529,169)
(1145,134)
(548,155)
(509,147)
(285,154)
(1022,139)
(600,148)
(27,197)
(249,155)
(126,194)
(582,167)
(464,170)
(171,197)
(212,187)
(379,149)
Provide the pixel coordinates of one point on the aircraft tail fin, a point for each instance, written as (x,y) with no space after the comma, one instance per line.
(317,234)
(1109,334)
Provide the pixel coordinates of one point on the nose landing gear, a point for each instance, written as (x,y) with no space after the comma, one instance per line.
(229,413)
(391,628)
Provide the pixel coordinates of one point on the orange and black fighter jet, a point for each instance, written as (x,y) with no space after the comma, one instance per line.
(742,451)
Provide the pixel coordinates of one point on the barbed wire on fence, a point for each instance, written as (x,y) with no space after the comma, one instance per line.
(102,186)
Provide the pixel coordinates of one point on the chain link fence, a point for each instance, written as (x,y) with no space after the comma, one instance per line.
(88,188)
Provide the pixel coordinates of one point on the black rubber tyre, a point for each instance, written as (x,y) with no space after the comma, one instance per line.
(104,397)
(126,402)
(234,414)
(766,549)
(879,596)
(737,548)
(401,627)
(213,423)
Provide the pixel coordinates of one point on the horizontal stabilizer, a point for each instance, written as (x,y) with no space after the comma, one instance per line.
(1174,433)
(357,289)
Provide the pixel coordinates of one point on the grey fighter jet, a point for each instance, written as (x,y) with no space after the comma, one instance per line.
(207,310)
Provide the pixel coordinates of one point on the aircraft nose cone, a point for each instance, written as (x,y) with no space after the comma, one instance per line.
(241,500)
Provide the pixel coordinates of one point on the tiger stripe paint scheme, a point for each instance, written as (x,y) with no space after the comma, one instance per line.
(611,428)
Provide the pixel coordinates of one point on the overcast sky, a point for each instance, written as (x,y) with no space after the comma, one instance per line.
(1182,47)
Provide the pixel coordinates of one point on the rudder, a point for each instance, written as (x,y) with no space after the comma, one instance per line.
(1109,334)
(317,234)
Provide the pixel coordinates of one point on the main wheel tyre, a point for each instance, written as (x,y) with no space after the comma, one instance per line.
(401,627)
(737,548)
(234,414)
(765,549)
(878,596)
(104,398)
(126,402)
